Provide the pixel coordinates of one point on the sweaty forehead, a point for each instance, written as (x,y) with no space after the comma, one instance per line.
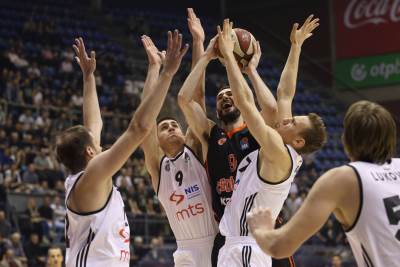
(223,91)
(303,120)
(166,122)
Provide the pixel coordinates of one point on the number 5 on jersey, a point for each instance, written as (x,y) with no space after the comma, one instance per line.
(392,206)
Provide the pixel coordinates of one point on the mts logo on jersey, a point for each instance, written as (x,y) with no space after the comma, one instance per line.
(192,191)
(190,211)
(178,198)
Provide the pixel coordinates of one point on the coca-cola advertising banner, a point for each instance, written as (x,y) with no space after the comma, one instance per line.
(366,27)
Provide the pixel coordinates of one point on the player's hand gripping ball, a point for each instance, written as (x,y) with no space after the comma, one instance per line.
(243,48)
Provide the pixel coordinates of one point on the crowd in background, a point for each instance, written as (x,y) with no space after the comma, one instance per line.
(40,95)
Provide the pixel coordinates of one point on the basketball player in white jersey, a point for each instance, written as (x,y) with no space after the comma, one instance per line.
(97,230)
(178,175)
(264,176)
(364,195)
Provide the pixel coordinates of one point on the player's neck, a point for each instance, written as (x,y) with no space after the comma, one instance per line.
(172,152)
(233,125)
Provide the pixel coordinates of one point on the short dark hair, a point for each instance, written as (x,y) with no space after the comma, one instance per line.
(315,136)
(223,88)
(369,132)
(71,147)
(166,118)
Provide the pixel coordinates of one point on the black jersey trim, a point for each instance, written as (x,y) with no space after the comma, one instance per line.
(89,212)
(159,174)
(178,156)
(246,256)
(90,239)
(280,182)
(361,199)
(73,186)
(366,257)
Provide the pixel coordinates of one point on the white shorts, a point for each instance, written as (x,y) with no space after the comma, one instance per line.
(194,252)
(242,252)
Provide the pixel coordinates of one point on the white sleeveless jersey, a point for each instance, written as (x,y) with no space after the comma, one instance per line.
(375,234)
(250,191)
(99,238)
(184,192)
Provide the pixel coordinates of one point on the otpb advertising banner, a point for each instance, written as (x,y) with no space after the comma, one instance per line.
(366,27)
(369,71)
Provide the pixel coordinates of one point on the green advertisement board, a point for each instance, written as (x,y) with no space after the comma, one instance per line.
(368,71)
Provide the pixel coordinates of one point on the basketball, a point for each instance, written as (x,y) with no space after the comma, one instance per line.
(243,49)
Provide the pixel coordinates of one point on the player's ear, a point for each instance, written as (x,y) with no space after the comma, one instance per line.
(90,151)
(298,142)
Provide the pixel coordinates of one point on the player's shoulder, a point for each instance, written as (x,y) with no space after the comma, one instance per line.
(339,176)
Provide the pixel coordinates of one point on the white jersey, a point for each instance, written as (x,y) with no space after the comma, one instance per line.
(375,234)
(185,194)
(99,238)
(250,191)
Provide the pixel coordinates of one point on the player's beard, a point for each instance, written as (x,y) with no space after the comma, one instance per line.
(229,117)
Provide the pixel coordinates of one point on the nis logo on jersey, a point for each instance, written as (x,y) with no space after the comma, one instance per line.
(190,192)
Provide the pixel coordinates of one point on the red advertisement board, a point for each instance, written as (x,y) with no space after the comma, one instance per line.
(366,27)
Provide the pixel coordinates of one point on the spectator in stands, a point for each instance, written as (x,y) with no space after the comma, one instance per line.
(4,245)
(30,177)
(139,249)
(46,212)
(59,210)
(34,251)
(27,120)
(38,225)
(42,163)
(336,261)
(5,226)
(124,177)
(16,247)
(54,257)
(9,260)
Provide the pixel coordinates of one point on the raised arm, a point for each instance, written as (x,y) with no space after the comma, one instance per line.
(150,144)
(198,37)
(91,109)
(155,58)
(266,100)
(100,169)
(196,116)
(287,84)
(334,190)
(266,136)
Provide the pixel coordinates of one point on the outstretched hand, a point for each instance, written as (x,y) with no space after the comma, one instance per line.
(255,59)
(210,51)
(298,36)
(195,27)
(154,56)
(174,53)
(87,64)
(225,38)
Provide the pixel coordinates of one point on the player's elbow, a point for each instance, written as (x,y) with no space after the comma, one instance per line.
(282,93)
(183,100)
(276,250)
(140,126)
(270,108)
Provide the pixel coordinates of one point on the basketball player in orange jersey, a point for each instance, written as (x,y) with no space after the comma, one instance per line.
(364,195)
(97,230)
(225,147)
(177,171)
